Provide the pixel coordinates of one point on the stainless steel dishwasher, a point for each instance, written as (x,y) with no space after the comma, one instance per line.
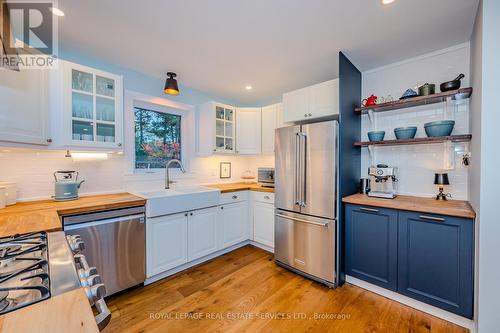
(115,243)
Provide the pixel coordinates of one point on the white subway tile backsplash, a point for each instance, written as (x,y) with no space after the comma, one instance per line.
(418,163)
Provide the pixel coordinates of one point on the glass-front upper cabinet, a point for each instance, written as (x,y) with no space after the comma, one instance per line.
(216,129)
(92,107)
(224,128)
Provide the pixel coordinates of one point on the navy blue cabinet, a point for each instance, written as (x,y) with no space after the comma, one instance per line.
(435,258)
(371,244)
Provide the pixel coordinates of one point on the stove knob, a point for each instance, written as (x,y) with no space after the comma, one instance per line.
(77,246)
(75,243)
(97,292)
(85,273)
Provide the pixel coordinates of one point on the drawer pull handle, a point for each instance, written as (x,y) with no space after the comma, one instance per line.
(371,210)
(235,197)
(267,197)
(432,218)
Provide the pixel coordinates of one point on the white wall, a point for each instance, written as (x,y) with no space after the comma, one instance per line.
(417,164)
(485,120)
(475,145)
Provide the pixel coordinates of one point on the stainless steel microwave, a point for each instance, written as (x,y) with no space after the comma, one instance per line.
(266,176)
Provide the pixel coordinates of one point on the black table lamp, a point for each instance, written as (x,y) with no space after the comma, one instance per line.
(441,179)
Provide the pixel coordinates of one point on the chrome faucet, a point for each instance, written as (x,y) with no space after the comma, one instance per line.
(167,166)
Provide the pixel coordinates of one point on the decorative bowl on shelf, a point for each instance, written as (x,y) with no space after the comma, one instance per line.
(405,132)
(376,135)
(439,128)
(409,93)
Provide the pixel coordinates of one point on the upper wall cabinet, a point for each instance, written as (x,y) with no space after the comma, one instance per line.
(24,106)
(216,129)
(269,124)
(317,101)
(92,107)
(248,130)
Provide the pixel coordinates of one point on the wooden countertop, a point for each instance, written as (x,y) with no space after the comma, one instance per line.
(233,187)
(68,312)
(456,208)
(44,215)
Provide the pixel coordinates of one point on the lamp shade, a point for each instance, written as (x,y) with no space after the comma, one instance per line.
(171,86)
(441,179)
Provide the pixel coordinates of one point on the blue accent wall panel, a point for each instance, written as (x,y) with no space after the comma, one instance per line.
(349,156)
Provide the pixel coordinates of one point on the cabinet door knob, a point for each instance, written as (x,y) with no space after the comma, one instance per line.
(266,197)
(119,144)
(310,114)
(222,207)
(49,140)
(191,214)
(185,214)
(215,150)
(235,197)
(305,115)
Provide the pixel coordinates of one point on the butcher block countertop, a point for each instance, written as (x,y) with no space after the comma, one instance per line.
(44,215)
(456,208)
(234,187)
(68,312)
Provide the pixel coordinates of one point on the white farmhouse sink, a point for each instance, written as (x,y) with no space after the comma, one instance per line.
(179,199)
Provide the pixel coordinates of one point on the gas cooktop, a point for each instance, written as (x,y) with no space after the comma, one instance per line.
(24,271)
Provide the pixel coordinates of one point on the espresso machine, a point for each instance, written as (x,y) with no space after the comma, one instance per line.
(382,181)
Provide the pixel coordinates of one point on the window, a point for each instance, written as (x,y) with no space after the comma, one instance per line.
(157,138)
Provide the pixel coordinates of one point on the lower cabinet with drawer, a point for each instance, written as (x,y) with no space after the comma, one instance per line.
(427,257)
(263,218)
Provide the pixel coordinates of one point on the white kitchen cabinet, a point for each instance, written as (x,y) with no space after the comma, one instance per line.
(216,129)
(25,106)
(324,99)
(233,224)
(296,105)
(269,124)
(166,243)
(317,101)
(92,107)
(263,223)
(202,232)
(248,130)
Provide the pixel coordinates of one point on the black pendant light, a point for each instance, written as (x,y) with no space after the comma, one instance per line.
(171,86)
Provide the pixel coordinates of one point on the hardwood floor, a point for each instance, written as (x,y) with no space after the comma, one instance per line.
(245,291)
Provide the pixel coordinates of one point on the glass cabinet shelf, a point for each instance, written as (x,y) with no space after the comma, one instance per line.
(93,102)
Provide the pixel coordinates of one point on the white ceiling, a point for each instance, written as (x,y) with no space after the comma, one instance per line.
(220,46)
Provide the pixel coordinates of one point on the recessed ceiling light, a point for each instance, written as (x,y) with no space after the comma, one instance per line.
(248,87)
(56,11)
(387,2)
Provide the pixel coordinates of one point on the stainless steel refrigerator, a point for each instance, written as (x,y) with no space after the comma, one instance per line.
(306,200)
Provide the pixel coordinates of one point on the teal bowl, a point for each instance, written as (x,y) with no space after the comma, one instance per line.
(376,135)
(439,128)
(405,132)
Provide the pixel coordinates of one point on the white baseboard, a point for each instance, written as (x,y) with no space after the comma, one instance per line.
(432,310)
(262,246)
(194,263)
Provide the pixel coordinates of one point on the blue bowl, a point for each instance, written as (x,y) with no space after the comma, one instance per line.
(376,135)
(405,132)
(439,128)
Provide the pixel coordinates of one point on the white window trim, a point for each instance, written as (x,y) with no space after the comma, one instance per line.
(187,112)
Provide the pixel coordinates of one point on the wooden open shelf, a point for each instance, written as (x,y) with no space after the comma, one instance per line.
(452,138)
(462,93)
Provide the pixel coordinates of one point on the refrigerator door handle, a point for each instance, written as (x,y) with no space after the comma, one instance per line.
(303,166)
(296,181)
